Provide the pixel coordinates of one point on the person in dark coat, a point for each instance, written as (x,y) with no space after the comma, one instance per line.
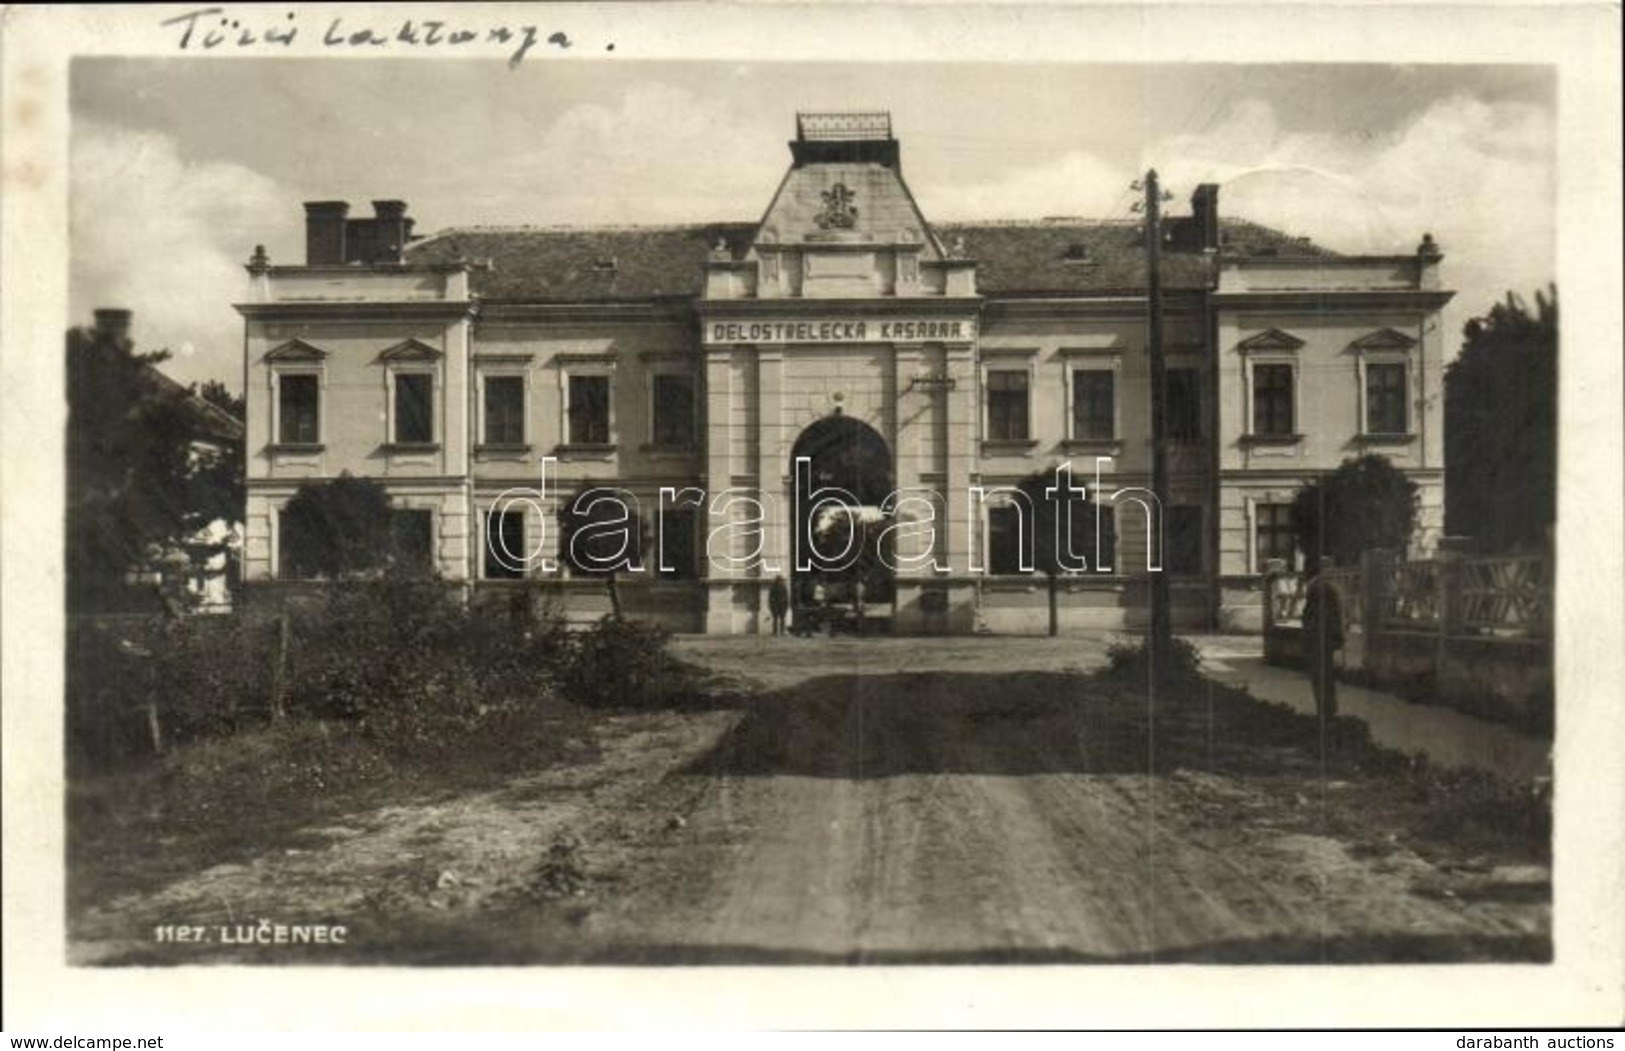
(778,603)
(1322,637)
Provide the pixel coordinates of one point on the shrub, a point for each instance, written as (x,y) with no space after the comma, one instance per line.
(619,663)
(1132,660)
(108,680)
(418,671)
(404,663)
(213,675)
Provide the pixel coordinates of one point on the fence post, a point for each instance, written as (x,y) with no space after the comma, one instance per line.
(279,667)
(1372,563)
(1447,579)
(1449,585)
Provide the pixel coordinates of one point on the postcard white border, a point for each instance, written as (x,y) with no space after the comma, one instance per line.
(1584,984)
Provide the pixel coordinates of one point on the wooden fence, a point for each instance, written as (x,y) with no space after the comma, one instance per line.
(1473,631)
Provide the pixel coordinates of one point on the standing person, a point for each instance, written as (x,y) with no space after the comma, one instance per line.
(778,603)
(857,602)
(1322,637)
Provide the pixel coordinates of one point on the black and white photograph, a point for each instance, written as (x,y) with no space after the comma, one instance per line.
(531,497)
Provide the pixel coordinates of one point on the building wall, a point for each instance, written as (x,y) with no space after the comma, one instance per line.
(388,320)
(927,399)
(1329,321)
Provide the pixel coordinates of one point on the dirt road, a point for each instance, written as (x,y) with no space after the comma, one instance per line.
(908,816)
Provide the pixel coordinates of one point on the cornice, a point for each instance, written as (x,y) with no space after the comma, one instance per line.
(360,310)
(1331,301)
(799,306)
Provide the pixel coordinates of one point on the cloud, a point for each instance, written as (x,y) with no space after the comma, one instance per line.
(599,163)
(1079,183)
(1478,175)
(166,238)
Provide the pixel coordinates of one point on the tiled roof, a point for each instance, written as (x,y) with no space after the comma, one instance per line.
(1057,256)
(1046,257)
(586,265)
(212,422)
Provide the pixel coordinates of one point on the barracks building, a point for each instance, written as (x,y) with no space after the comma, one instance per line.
(486,376)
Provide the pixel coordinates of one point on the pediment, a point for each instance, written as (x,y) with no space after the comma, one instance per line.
(295,350)
(1271,339)
(1385,339)
(410,350)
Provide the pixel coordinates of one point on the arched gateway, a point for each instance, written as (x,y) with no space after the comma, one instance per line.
(841,474)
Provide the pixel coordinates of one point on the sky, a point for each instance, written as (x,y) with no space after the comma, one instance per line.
(180,166)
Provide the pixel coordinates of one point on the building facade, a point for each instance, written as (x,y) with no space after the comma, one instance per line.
(713,378)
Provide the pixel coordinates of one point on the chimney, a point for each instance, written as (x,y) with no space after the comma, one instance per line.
(1428,257)
(324,232)
(391,229)
(113,323)
(1205,216)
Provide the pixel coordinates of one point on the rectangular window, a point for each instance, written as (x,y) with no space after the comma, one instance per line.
(679,553)
(1385,398)
(1273,537)
(1004,526)
(298,404)
(1184,541)
(589,410)
(504,410)
(504,549)
(1102,557)
(1272,400)
(411,534)
(1185,404)
(674,411)
(414,408)
(1094,404)
(1007,405)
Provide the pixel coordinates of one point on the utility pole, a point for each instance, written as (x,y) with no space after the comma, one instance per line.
(1162,634)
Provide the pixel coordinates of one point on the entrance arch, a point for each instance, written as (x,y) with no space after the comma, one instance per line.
(847,462)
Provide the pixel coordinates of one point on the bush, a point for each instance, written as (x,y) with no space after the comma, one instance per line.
(1132,660)
(108,680)
(404,663)
(417,670)
(212,675)
(620,663)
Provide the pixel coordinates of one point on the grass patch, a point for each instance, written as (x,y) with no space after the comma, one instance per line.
(228,800)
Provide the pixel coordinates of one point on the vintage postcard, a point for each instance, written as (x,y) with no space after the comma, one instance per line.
(998,514)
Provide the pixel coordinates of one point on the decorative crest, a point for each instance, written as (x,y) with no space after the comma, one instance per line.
(839,212)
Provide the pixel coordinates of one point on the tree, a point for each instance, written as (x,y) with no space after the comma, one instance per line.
(1051,504)
(1366,503)
(1500,416)
(145,468)
(337,528)
(600,535)
(216,488)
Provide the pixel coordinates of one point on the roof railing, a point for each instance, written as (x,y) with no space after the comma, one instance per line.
(843,127)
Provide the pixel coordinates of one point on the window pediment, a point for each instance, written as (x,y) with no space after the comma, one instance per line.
(1385,339)
(410,350)
(1271,339)
(296,350)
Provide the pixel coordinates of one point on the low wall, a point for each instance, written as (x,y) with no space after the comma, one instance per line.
(1499,677)
(1506,679)
(1471,632)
